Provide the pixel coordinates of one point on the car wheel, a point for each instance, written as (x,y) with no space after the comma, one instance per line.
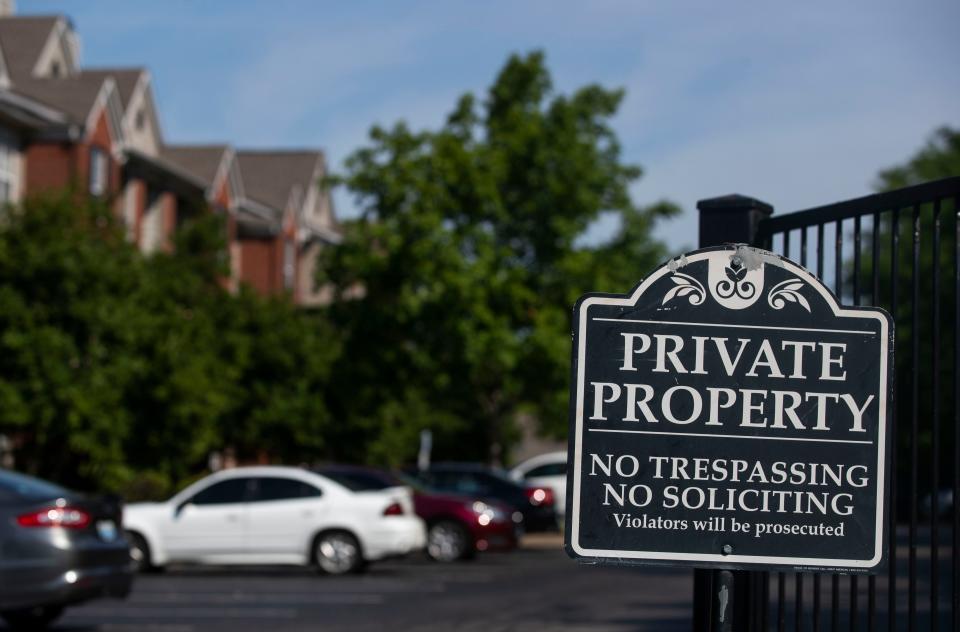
(448,541)
(32,618)
(140,554)
(337,552)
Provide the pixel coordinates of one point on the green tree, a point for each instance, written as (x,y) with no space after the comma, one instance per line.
(454,287)
(938,158)
(282,357)
(183,387)
(122,372)
(67,330)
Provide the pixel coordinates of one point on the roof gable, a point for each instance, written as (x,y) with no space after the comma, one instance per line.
(279,178)
(127,80)
(25,39)
(203,161)
(214,165)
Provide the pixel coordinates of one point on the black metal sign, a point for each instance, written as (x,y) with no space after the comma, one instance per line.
(729,412)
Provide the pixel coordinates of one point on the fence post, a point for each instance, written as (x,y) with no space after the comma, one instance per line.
(729,219)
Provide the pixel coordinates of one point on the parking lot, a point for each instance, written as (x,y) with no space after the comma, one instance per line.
(535,588)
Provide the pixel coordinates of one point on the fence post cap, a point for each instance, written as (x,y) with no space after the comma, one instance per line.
(734,202)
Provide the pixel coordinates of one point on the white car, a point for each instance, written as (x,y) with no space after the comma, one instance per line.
(546,470)
(274,515)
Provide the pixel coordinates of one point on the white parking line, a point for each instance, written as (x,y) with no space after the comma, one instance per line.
(146,627)
(154,613)
(285,599)
(272,588)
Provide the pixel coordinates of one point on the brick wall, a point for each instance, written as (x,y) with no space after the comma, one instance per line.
(56,165)
(259,265)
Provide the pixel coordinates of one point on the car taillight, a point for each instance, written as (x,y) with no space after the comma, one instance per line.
(540,496)
(69,517)
(394,509)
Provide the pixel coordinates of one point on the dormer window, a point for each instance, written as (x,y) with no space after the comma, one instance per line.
(139,120)
(55,70)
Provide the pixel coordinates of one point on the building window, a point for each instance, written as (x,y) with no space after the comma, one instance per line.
(8,169)
(139,120)
(55,69)
(98,171)
(289,264)
(151,236)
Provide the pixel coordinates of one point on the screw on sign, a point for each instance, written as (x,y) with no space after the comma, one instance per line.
(729,412)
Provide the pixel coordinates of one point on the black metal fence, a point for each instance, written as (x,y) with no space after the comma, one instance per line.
(901,251)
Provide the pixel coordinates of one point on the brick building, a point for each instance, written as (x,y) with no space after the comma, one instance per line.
(97,130)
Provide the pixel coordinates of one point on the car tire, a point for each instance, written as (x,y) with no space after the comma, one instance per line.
(449,541)
(337,553)
(37,618)
(140,554)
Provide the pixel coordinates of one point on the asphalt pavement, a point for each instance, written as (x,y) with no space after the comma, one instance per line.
(535,588)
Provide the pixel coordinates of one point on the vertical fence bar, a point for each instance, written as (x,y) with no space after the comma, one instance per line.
(915,419)
(955,610)
(857,246)
(935,419)
(817,576)
(835,603)
(838,259)
(781,602)
(820,250)
(875,295)
(892,527)
(764,600)
(803,246)
(838,288)
(856,260)
(798,603)
(816,602)
(875,249)
(798,587)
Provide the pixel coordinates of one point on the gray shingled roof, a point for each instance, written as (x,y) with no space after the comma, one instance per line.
(22,39)
(269,176)
(203,161)
(126,79)
(74,96)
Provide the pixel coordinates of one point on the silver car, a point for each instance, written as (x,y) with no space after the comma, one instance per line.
(57,548)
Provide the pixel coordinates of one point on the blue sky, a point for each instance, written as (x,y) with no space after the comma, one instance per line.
(798,104)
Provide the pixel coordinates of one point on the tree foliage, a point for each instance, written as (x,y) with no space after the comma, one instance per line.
(938,158)
(119,370)
(454,287)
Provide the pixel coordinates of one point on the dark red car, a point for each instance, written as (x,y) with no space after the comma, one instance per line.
(457,526)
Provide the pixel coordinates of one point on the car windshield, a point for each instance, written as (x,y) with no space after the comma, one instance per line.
(14,483)
(493,474)
(415,483)
(360,480)
(502,475)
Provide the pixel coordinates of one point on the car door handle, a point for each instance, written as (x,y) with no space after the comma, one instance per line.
(306,513)
(233,517)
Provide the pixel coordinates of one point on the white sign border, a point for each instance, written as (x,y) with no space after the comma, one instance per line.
(732,559)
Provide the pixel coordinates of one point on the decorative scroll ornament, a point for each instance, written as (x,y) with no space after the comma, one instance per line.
(686,286)
(734,282)
(787,291)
